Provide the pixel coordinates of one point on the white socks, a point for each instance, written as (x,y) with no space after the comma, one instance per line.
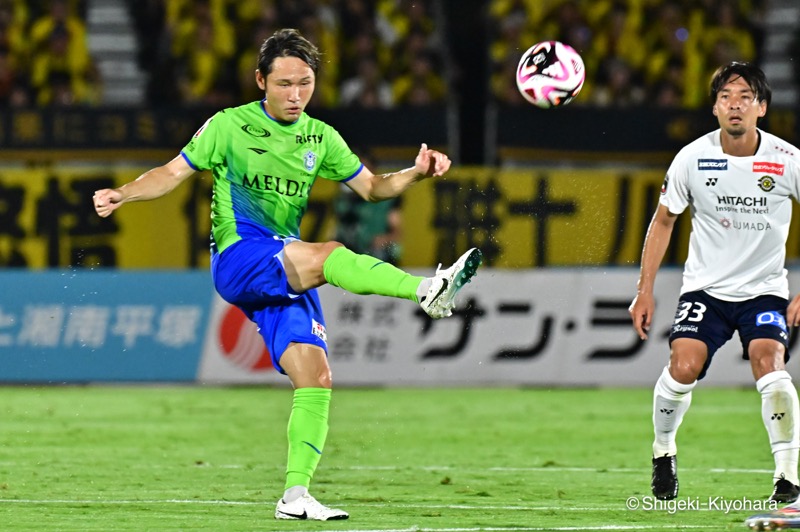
(671,400)
(779,410)
(422,289)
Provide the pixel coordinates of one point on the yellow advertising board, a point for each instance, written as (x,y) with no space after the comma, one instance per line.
(520,218)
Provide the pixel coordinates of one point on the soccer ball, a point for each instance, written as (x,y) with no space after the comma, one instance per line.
(550,74)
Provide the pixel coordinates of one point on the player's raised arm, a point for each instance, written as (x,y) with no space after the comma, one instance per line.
(655,246)
(374,188)
(150,185)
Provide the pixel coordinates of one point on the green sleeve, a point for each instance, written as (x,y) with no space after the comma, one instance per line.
(208,146)
(341,163)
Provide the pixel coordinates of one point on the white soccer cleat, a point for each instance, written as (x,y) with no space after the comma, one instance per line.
(440,299)
(782,519)
(307,507)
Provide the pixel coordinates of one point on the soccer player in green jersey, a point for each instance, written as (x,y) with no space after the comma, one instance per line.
(264,157)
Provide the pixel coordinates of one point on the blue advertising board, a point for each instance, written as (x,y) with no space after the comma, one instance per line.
(71,326)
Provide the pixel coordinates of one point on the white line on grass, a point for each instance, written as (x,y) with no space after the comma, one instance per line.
(521,508)
(528,529)
(555,469)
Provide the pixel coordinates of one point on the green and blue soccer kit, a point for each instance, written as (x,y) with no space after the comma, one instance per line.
(263,172)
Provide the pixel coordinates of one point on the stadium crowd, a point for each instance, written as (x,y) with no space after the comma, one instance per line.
(636,52)
(376,53)
(380,54)
(44,55)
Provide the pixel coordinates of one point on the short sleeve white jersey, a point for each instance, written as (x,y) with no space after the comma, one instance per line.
(741,208)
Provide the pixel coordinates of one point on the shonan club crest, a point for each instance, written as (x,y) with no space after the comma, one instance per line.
(310,160)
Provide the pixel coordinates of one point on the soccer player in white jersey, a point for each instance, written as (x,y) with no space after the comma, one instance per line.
(738,183)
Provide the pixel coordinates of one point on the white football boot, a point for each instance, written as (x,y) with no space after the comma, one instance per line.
(440,299)
(307,507)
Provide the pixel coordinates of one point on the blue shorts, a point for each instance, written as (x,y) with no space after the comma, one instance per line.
(713,321)
(250,275)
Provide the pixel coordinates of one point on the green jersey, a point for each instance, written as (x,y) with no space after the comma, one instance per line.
(264,170)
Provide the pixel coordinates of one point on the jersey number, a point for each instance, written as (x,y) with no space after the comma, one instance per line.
(686,308)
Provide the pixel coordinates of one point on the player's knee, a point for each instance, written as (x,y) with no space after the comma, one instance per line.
(325,379)
(766,364)
(685,371)
(765,357)
(328,247)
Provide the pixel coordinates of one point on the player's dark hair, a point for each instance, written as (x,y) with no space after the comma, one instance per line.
(287,43)
(750,73)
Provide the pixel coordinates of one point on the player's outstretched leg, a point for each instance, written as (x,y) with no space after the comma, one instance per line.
(307,507)
(440,299)
(783,519)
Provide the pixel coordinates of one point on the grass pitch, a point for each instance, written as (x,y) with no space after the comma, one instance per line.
(456,460)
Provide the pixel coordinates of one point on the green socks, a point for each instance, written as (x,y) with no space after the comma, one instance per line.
(308,428)
(362,274)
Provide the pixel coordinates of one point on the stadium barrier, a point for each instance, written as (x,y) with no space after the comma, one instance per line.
(544,327)
(520,218)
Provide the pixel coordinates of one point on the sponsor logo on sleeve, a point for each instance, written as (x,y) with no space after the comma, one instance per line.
(768,168)
(664,185)
(712,164)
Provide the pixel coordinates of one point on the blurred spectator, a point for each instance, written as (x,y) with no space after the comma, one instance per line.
(57,71)
(619,85)
(247,63)
(367,88)
(180,44)
(13,21)
(421,85)
(725,24)
(60,18)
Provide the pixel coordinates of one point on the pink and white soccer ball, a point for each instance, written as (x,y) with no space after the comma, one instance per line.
(550,74)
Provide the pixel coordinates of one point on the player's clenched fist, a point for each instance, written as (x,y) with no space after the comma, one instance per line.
(106,201)
(431,162)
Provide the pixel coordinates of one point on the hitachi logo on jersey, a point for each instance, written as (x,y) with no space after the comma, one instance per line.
(302,139)
(745,202)
(281,185)
(712,164)
(769,168)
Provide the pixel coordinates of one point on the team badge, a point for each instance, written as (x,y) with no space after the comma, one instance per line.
(310,160)
(766,183)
